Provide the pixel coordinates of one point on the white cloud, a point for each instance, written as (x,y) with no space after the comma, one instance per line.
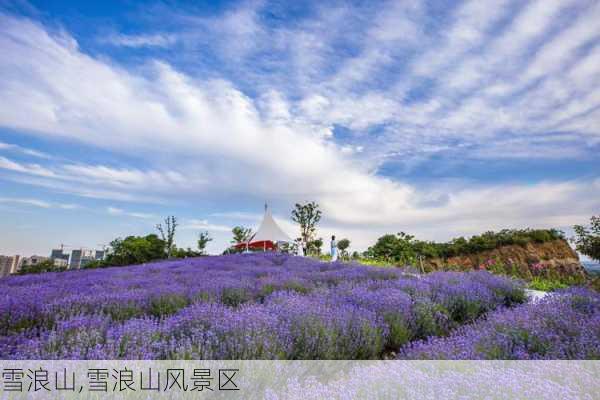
(237,215)
(202,224)
(32,169)
(38,203)
(120,212)
(24,150)
(206,137)
(31,202)
(154,40)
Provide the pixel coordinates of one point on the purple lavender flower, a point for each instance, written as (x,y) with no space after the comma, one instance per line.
(260,306)
(564,325)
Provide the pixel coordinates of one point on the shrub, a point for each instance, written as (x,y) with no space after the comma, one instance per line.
(564,325)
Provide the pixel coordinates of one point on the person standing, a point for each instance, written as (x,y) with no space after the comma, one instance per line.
(334,249)
(301,248)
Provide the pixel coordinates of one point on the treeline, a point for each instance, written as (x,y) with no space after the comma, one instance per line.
(404,248)
(142,249)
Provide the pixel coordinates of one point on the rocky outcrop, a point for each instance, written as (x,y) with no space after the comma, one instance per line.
(554,256)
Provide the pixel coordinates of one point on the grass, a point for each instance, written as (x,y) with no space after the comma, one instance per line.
(546,285)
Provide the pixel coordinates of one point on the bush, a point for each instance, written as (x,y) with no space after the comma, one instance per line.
(564,325)
(405,249)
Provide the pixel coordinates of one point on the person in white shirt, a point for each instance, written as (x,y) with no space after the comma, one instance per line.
(334,249)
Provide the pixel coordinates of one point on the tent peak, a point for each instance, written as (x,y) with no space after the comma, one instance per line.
(269,230)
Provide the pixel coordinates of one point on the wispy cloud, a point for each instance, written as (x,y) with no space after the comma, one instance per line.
(202,224)
(145,40)
(237,215)
(24,150)
(316,108)
(38,203)
(121,212)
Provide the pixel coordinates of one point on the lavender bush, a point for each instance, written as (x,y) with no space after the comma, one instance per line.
(261,306)
(564,325)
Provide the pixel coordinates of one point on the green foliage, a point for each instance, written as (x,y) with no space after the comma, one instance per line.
(430,319)
(343,245)
(241,234)
(136,250)
(184,253)
(314,246)
(546,285)
(587,238)
(167,233)
(399,249)
(167,304)
(405,249)
(289,248)
(94,264)
(203,239)
(307,216)
(595,284)
(400,332)
(43,266)
(233,296)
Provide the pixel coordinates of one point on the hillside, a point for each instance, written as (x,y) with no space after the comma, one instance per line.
(246,306)
(555,257)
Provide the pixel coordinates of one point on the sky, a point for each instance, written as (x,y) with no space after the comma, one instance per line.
(437,118)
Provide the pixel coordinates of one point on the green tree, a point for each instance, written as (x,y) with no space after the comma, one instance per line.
(314,246)
(203,239)
(307,216)
(343,245)
(184,253)
(42,266)
(167,233)
(136,250)
(241,234)
(94,264)
(587,238)
(399,248)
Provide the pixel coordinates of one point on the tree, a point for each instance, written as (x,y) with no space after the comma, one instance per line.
(343,245)
(241,234)
(314,246)
(136,250)
(307,216)
(184,253)
(289,248)
(42,266)
(397,248)
(203,239)
(587,238)
(169,236)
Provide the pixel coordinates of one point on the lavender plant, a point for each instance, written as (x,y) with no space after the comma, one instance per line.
(564,325)
(261,306)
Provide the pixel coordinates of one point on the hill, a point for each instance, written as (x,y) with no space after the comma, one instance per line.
(553,257)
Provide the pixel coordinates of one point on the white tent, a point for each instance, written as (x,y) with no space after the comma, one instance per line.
(268,231)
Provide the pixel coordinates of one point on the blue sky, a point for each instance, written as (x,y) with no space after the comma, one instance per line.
(436,118)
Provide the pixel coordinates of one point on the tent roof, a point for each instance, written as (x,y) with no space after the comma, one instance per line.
(269,230)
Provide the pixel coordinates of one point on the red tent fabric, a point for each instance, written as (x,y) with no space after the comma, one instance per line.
(261,245)
(267,235)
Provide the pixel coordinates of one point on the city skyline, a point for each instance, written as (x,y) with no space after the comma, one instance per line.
(440,120)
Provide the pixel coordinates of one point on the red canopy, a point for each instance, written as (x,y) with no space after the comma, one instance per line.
(260,245)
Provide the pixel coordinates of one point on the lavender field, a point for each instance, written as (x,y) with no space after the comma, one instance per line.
(272,306)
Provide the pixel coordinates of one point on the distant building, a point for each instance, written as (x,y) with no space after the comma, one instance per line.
(33,260)
(60,262)
(9,265)
(80,257)
(99,255)
(58,254)
(75,262)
